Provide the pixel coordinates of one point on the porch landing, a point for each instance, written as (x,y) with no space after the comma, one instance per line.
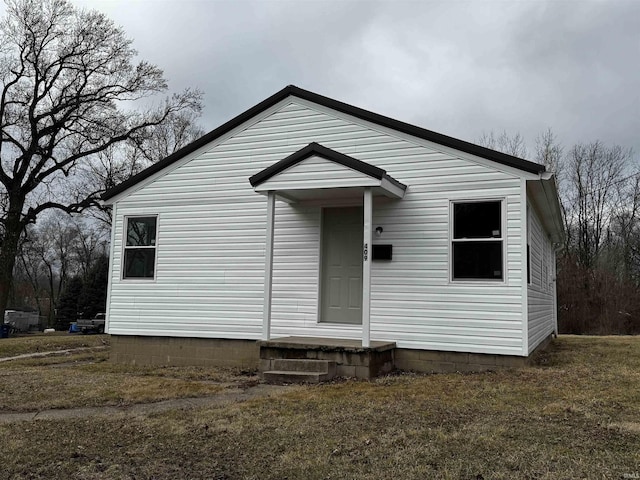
(350,357)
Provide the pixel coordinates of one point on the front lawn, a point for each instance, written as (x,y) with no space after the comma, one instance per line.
(47,342)
(87,379)
(574,415)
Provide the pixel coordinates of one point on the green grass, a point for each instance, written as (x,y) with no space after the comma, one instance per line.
(574,415)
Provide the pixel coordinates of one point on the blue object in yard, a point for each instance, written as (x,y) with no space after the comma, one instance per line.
(73,328)
(5,328)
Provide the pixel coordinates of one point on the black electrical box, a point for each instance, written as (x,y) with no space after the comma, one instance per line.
(382,252)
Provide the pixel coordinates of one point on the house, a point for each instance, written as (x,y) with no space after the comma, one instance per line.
(323,230)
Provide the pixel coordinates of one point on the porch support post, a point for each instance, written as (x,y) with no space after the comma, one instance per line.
(268,266)
(366,268)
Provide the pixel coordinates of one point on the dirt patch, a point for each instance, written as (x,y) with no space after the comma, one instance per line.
(631,427)
(224,397)
(10,347)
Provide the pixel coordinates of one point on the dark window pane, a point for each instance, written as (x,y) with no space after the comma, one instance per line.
(477,260)
(476,220)
(141,232)
(139,262)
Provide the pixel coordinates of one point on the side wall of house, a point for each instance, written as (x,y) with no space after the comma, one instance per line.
(211,243)
(541,289)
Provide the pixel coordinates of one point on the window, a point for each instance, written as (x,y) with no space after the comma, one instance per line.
(477,240)
(140,247)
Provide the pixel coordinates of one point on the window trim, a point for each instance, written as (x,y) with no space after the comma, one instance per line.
(503,239)
(545,264)
(528,266)
(125,232)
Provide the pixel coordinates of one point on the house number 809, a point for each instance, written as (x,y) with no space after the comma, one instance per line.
(366,251)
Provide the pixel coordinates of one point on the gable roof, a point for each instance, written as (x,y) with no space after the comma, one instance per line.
(327,102)
(327,153)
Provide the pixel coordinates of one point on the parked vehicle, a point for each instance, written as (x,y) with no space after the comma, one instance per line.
(92,325)
(21,321)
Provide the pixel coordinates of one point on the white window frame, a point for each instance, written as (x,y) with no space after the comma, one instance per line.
(529,273)
(502,238)
(125,233)
(545,264)
(542,242)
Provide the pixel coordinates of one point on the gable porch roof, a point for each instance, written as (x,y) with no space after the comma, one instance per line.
(326,169)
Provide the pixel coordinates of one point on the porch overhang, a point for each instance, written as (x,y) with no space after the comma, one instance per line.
(317,172)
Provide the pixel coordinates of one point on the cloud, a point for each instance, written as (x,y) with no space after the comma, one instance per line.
(457,67)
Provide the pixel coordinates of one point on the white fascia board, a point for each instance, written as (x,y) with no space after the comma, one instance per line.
(551,193)
(266,187)
(283,197)
(187,158)
(543,195)
(393,190)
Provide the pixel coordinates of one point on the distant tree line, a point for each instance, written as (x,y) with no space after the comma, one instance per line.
(598,266)
(62,269)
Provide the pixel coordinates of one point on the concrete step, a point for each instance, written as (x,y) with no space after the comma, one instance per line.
(278,377)
(304,365)
(284,370)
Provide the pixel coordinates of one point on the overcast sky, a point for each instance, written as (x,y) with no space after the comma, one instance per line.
(457,67)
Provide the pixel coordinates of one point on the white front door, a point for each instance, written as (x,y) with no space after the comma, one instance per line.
(341,282)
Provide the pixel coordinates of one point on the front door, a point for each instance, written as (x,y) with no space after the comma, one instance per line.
(341,283)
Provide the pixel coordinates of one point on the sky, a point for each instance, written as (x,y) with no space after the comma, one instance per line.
(456,67)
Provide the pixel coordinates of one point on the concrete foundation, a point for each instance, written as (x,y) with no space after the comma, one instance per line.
(351,359)
(433,361)
(448,362)
(177,351)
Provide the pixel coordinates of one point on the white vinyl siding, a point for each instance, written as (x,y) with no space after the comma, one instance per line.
(541,290)
(210,271)
(316,172)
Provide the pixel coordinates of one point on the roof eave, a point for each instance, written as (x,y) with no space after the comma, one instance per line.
(357,112)
(199,143)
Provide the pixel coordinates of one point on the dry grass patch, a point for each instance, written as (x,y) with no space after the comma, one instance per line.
(88,379)
(34,343)
(575,415)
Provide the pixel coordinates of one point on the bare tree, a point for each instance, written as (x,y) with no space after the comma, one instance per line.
(623,233)
(120,162)
(549,151)
(180,129)
(49,255)
(30,269)
(593,173)
(66,78)
(503,142)
(91,243)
